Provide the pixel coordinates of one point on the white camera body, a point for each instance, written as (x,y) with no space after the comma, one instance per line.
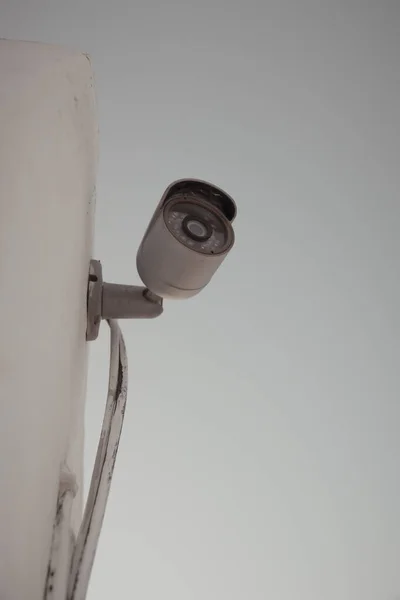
(187,239)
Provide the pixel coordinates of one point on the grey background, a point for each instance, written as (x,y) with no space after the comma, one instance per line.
(260,456)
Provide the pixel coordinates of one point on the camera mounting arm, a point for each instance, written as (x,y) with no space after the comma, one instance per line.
(115,301)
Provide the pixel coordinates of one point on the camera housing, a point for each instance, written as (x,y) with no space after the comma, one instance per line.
(188,237)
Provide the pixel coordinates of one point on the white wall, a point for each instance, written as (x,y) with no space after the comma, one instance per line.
(48,158)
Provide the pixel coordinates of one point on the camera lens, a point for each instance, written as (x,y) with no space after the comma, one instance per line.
(196,229)
(198,226)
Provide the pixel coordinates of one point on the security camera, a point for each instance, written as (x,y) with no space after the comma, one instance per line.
(187,239)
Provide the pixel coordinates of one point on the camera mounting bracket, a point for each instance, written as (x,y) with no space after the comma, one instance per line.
(115,301)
